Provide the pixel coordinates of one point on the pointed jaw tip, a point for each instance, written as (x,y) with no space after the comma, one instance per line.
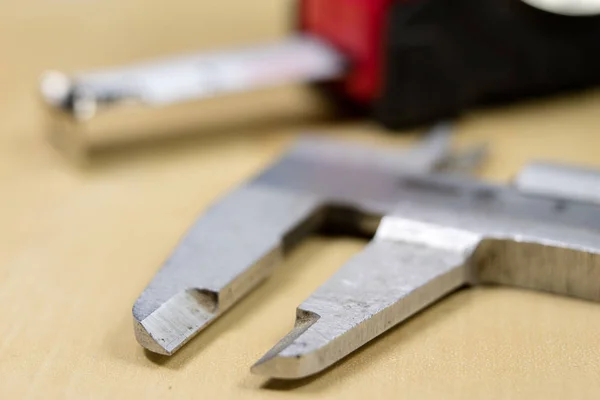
(279,367)
(287,361)
(147,341)
(176,321)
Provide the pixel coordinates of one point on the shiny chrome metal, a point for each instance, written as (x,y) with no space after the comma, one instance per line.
(193,76)
(83,103)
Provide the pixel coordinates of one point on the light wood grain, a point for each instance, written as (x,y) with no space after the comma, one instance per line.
(78,245)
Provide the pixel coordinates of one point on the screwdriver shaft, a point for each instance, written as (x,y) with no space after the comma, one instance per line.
(296,59)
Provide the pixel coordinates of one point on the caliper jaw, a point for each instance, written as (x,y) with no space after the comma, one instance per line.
(434,234)
(318,185)
(444,235)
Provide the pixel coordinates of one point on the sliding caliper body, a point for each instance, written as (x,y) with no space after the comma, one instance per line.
(432,234)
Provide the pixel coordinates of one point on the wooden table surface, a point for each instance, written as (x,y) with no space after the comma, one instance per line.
(77,245)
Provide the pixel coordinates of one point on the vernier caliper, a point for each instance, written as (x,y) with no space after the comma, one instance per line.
(433,234)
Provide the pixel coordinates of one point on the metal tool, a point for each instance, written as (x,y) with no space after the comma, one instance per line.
(84,106)
(438,233)
(405,63)
(445,234)
(235,244)
(193,76)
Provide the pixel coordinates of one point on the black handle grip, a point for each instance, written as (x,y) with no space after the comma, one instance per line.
(446,56)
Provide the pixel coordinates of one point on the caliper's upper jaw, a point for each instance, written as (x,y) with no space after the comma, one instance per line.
(238,241)
(427,249)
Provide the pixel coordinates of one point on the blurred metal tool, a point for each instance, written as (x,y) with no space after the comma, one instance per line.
(546,178)
(405,63)
(78,103)
(318,185)
(191,77)
(402,63)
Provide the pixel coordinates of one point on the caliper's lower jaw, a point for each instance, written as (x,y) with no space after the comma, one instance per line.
(411,265)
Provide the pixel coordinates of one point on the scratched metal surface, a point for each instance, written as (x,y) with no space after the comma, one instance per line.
(444,233)
(237,242)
